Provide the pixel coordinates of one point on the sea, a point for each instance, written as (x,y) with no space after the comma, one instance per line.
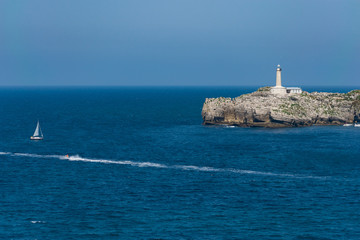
(141,165)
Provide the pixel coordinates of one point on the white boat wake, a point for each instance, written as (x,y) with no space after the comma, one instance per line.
(159,165)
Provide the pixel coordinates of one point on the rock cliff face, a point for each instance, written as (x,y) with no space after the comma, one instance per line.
(263,109)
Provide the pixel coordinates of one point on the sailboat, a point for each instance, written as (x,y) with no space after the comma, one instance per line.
(38,133)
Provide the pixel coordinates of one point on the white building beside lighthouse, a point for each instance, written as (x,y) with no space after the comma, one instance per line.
(279,89)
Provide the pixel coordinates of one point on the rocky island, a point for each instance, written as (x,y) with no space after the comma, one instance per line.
(279,106)
(266,109)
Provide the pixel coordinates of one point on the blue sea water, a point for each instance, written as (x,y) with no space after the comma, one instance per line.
(142,166)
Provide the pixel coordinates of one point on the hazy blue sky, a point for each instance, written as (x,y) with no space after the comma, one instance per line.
(179,42)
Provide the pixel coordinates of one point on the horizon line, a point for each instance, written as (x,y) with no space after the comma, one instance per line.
(104,86)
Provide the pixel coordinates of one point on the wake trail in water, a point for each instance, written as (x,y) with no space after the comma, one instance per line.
(159,165)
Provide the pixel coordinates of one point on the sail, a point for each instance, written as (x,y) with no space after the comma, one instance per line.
(37,132)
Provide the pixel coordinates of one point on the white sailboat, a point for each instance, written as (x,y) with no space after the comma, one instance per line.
(38,133)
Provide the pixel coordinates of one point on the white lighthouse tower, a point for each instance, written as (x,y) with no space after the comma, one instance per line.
(278,76)
(278,89)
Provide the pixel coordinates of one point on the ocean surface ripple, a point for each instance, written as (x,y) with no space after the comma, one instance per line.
(137,163)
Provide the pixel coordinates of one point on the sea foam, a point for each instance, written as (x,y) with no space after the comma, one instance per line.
(159,165)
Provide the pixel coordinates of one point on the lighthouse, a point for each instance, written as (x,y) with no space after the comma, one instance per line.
(278,89)
(278,76)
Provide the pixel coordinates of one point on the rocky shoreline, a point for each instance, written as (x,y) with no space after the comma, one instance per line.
(264,109)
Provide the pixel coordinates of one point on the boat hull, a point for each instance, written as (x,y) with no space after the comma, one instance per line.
(36,138)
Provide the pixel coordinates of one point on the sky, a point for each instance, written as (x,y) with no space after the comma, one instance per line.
(179,42)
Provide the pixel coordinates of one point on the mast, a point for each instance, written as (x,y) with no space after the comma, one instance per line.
(41,134)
